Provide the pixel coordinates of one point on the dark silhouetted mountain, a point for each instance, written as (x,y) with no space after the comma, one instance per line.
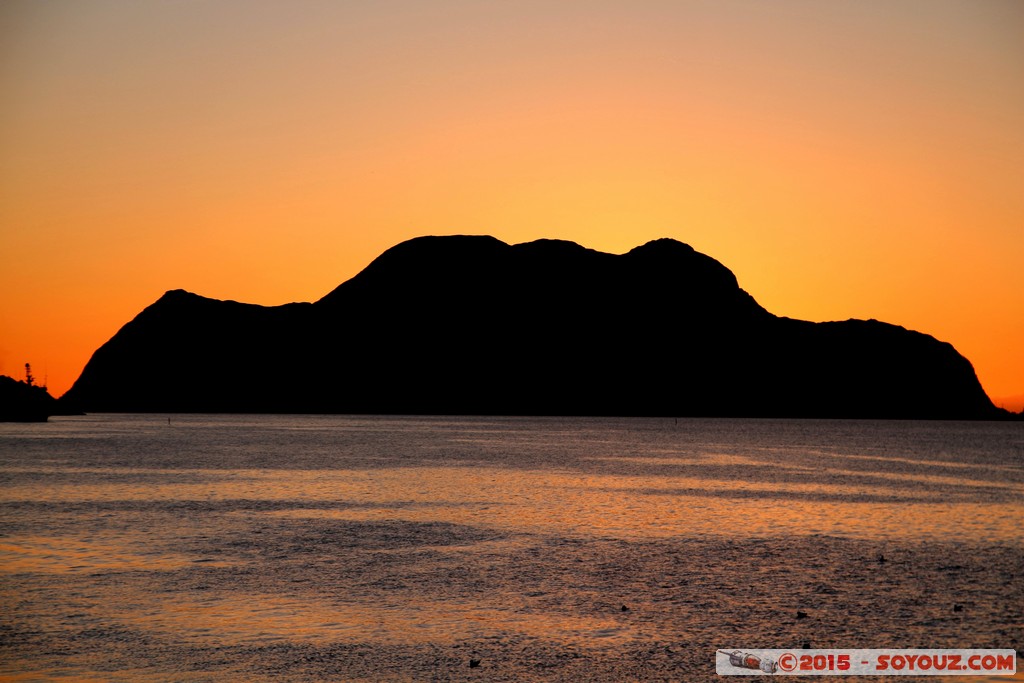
(471,325)
(24,402)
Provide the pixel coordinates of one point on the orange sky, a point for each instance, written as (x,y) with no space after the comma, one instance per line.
(844,159)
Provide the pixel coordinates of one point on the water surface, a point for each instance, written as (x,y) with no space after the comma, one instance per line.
(399,548)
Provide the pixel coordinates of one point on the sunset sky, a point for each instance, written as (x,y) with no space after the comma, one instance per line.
(858,159)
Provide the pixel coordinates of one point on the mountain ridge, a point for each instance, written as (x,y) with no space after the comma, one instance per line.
(471,325)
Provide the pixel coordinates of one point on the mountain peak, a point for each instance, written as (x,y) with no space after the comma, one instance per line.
(663,245)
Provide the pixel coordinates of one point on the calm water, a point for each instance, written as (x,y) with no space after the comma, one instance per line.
(376,548)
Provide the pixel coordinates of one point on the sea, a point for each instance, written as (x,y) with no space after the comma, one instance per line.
(383,548)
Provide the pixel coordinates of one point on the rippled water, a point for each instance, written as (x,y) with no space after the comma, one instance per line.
(385,548)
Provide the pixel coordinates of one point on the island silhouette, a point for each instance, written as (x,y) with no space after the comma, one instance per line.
(24,400)
(463,325)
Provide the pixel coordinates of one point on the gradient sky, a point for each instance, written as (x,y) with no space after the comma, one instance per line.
(845,159)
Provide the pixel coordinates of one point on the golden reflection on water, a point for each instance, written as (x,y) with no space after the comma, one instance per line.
(897,481)
(261,618)
(633,507)
(528,501)
(82,554)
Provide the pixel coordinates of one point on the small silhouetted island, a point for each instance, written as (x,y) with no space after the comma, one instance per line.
(24,401)
(467,325)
